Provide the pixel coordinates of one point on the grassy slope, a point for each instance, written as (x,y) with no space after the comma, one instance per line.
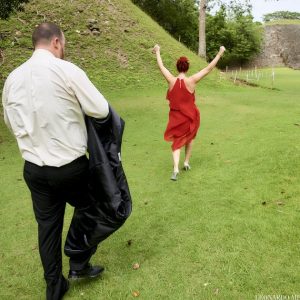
(120,57)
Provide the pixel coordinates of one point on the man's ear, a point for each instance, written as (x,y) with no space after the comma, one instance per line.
(55,42)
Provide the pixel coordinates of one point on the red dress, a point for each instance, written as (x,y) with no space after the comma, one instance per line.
(184,116)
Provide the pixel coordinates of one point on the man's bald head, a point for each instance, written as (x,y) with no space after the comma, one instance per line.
(49,36)
(45,32)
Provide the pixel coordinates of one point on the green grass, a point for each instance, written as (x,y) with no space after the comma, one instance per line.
(270,78)
(117,59)
(207,236)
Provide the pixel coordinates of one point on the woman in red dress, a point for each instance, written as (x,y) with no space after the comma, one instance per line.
(184,116)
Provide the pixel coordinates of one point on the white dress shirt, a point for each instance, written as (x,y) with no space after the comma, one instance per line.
(43,102)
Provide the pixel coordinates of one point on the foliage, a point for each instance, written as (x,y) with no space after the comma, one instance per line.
(179,18)
(280,15)
(238,8)
(217,33)
(8,6)
(234,28)
(245,41)
(231,26)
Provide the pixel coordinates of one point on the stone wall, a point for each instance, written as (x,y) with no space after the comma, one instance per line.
(281,47)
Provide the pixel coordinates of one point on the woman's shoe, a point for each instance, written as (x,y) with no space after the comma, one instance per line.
(186,167)
(174,176)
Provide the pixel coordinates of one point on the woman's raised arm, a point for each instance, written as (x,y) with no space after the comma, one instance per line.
(198,76)
(166,73)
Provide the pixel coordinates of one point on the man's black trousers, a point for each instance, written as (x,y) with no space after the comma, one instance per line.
(51,188)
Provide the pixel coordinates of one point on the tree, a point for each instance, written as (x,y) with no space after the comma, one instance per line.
(218,33)
(279,15)
(8,6)
(202,33)
(178,17)
(236,7)
(246,39)
(231,26)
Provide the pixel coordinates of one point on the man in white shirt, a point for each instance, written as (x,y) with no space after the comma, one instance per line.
(44,103)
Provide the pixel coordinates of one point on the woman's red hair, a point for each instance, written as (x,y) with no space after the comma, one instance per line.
(182,64)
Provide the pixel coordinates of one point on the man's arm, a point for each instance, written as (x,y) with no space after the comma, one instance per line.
(198,76)
(91,100)
(4,103)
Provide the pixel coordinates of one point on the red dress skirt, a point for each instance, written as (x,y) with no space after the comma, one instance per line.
(184,116)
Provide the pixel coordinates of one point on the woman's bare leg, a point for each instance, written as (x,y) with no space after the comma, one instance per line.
(188,152)
(176,157)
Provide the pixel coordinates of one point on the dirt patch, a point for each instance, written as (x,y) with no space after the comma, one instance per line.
(120,56)
(245,82)
(122,59)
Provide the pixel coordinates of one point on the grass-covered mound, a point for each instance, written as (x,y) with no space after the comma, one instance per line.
(111,40)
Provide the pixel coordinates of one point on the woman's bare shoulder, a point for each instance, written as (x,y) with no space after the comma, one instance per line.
(190,84)
(172,82)
(188,79)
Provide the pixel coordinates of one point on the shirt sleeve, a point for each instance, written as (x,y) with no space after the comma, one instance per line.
(91,100)
(4,103)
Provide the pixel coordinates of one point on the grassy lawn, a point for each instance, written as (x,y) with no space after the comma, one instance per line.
(264,77)
(228,229)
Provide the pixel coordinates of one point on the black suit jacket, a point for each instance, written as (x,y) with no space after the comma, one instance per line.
(108,187)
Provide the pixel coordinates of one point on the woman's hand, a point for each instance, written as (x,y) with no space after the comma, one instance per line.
(222,50)
(166,73)
(156,49)
(198,76)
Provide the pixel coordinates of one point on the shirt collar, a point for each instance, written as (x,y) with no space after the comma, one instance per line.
(42,52)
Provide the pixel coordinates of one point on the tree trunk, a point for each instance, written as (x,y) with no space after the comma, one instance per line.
(202,38)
